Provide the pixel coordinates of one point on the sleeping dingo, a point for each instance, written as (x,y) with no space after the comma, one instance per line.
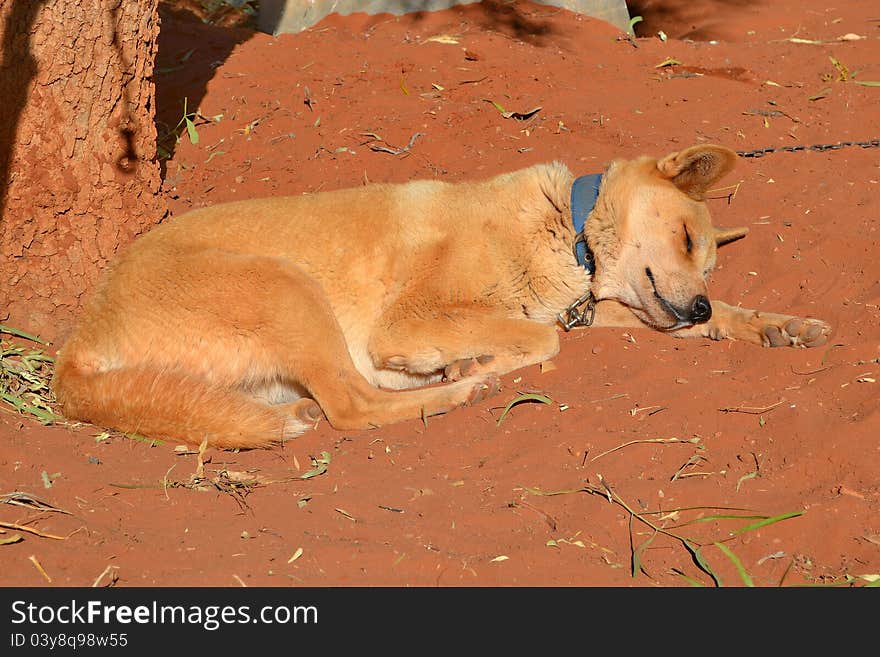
(244,323)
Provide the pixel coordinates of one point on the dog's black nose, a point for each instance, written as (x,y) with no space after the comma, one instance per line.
(701,309)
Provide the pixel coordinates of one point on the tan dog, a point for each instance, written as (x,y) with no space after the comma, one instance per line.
(244,322)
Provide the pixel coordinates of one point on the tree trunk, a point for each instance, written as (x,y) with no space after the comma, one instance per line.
(78,174)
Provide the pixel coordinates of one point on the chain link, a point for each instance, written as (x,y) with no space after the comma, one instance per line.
(761,152)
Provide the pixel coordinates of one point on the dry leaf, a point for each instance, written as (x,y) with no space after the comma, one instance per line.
(442,38)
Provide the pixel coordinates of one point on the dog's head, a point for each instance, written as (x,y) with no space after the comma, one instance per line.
(653,238)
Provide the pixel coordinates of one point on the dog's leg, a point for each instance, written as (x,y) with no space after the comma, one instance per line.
(300,337)
(758,327)
(731,322)
(214,327)
(461,345)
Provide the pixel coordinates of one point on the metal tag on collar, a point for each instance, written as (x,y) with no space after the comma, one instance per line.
(583,254)
(572,317)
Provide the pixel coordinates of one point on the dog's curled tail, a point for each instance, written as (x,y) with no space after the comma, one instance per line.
(175,405)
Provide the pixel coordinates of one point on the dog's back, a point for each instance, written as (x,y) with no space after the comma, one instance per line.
(181,339)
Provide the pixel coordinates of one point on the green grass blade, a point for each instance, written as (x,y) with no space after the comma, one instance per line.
(699,508)
(19,333)
(785,572)
(43,415)
(690,580)
(715,517)
(701,562)
(40,358)
(768,521)
(15,400)
(529,397)
(746,578)
(637,553)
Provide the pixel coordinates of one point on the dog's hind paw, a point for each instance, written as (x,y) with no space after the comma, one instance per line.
(304,409)
(466,367)
(797,332)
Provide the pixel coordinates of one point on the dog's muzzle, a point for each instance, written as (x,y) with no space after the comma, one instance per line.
(698,311)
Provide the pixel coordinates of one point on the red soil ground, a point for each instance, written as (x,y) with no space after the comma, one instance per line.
(678,430)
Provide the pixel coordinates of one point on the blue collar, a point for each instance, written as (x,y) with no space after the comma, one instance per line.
(584,193)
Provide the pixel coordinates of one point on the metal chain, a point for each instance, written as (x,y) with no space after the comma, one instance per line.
(571,316)
(761,152)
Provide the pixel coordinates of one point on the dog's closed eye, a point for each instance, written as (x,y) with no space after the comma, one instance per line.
(688,243)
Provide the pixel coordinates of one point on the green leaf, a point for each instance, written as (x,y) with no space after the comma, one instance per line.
(320,466)
(746,477)
(191,131)
(669,61)
(746,578)
(632,23)
(152,442)
(497,106)
(868,83)
(12,538)
(873,583)
(529,397)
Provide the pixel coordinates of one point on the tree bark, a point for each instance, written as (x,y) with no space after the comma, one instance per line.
(78,172)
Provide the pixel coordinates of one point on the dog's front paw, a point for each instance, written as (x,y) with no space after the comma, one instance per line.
(796,332)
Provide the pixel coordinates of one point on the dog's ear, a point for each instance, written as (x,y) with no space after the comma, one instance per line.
(695,169)
(727,235)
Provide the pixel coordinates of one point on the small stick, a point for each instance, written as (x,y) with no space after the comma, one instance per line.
(751,409)
(40,568)
(693,460)
(646,440)
(20,498)
(98,579)
(551,522)
(622,394)
(636,409)
(816,371)
(25,528)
